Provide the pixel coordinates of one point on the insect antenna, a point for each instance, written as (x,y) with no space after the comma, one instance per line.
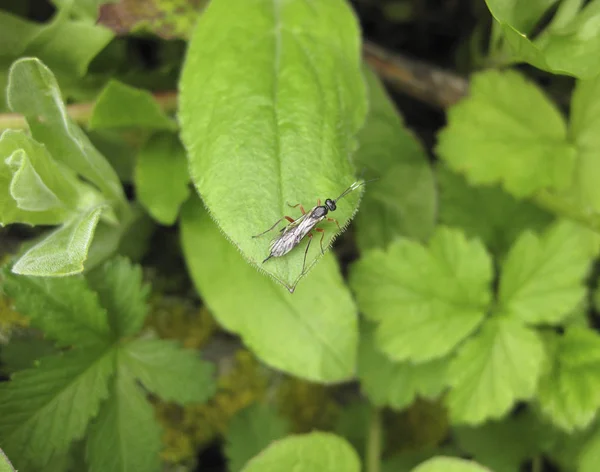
(353,187)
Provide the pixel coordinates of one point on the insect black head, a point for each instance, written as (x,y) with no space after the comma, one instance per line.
(330,204)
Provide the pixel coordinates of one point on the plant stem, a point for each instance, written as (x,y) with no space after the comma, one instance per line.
(536,464)
(80,113)
(373,452)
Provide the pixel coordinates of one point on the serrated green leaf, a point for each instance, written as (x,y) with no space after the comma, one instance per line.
(270,117)
(22,352)
(508,132)
(487,213)
(318,322)
(569,392)
(566,44)
(43,410)
(425,299)
(122,293)
(161,177)
(450,464)
(5,465)
(120,106)
(249,432)
(403,201)
(492,371)
(64,308)
(324,452)
(543,277)
(33,91)
(125,435)
(396,384)
(170,371)
(64,250)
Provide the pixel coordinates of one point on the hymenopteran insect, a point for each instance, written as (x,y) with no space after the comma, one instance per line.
(292,234)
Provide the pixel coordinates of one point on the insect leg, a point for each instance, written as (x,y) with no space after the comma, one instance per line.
(322,231)
(306,251)
(333,220)
(298,205)
(289,218)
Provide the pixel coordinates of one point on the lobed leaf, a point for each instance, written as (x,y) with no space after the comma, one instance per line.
(543,277)
(43,410)
(396,384)
(312,334)
(270,103)
(249,432)
(569,392)
(125,435)
(425,299)
(508,132)
(493,370)
(64,308)
(403,201)
(161,177)
(324,452)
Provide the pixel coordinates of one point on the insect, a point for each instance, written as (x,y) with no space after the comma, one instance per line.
(296,230)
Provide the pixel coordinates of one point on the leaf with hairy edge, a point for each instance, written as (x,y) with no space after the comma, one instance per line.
(125,435)
(271,100)
(63,251)
(312,334)
(396,384)
(569,393)
(64,308)
(33,91)
(170,371)
(425,299)
(5,465)
(506,131)
(493,370)
(250,431)
(542,278)
(43,410)
(324,452)
(121,291)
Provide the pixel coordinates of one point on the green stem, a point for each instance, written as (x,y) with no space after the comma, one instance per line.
(80,113)
(373,452)
(561,207)
(536,464)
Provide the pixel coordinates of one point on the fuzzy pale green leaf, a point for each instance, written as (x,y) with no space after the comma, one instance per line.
(122,293)
(44,409)
(271,100)
(449,464)
(120,105)
(5,465)
(324,452)
(250,431)
(33,91)
(396,384)
(403,201)
(569,393)
(125,436)
(64,250)
(170,371)
(488,213)
(425,299)
(506,131)
(311,333)
(496,368)
(161,177)
(64,308)
(542,278)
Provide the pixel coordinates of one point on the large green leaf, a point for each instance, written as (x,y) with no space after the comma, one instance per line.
(44,409)
(311,333)
(271,99)
(324,452)
(425,299)
(33,91)
(125,436)
(508,132)
(565,46)
(403,201)
(493,370)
